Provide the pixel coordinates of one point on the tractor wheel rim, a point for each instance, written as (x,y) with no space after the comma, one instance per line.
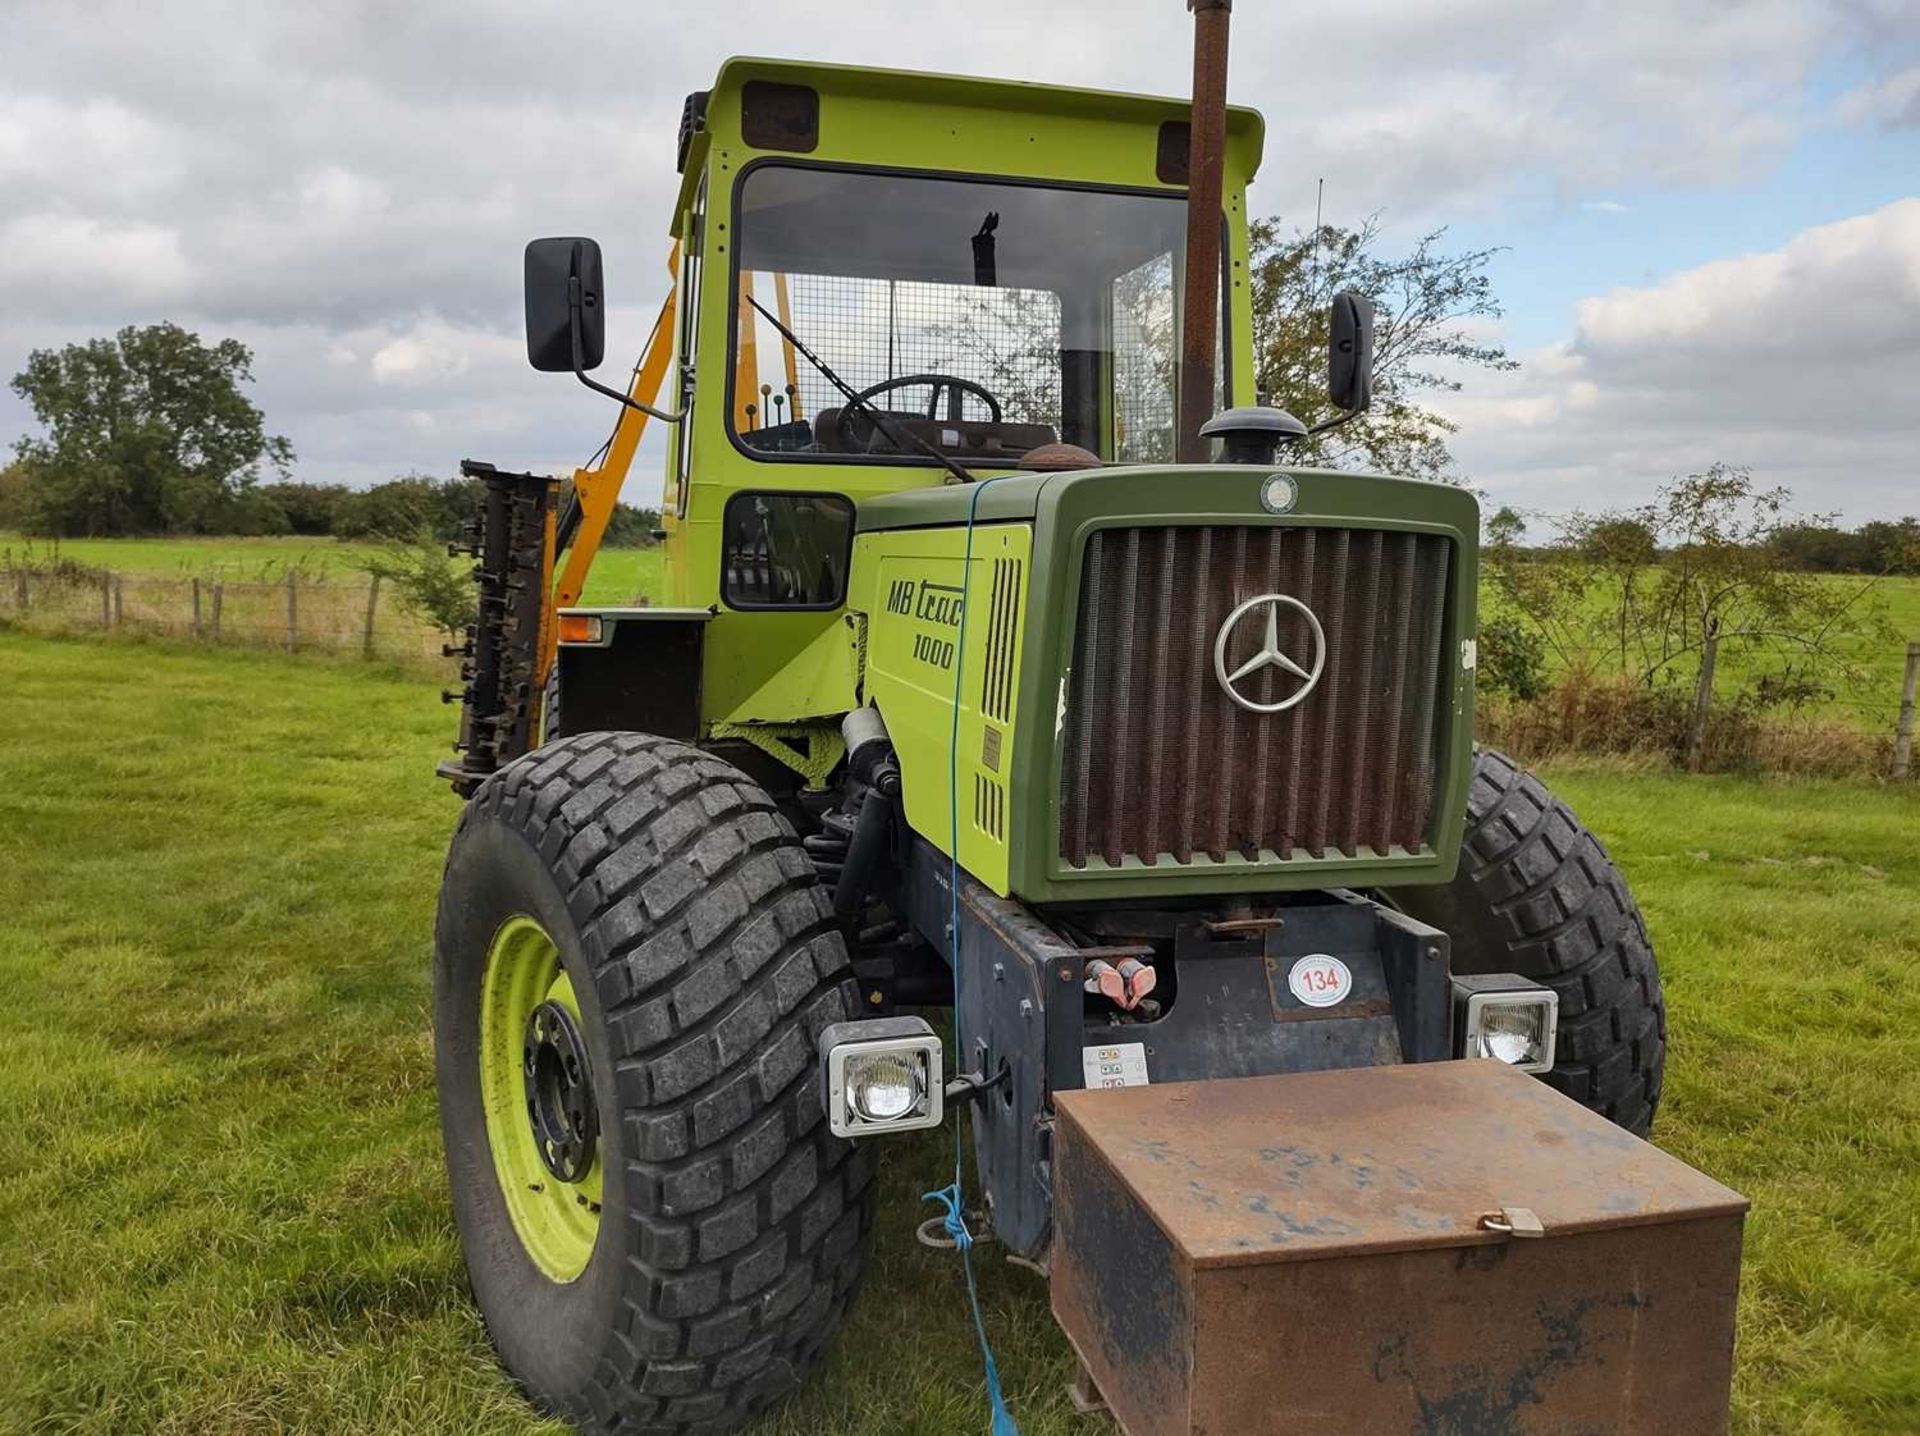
(537,1090)
(559,1087)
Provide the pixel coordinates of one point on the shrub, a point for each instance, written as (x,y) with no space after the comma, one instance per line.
(1513,659)
(436,587)
(1592,712)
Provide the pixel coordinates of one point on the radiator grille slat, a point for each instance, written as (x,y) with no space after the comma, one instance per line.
(1160,765)
(1310,592)
(1089,641)
(1357,660)
(1195,648)
(1159,754)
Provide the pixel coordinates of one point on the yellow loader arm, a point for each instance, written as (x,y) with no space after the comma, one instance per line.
(597,490)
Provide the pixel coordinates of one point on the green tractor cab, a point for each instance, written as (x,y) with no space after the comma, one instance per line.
(981,682)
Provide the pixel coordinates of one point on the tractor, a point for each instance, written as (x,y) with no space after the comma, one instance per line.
(1007,677)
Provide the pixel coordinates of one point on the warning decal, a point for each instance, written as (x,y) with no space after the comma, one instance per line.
(1124,1064)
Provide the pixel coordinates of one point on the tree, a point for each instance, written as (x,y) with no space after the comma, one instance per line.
(631,527)
(398,509)
(1892,546)
(1425,303)
(310,509)
(13,497)
(1719,587)
(1882,546)
(1681,590)
(1621,549)
(146,432)
(1538,588)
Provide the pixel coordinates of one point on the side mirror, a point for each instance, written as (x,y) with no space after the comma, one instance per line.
(1350,361)
(566,317)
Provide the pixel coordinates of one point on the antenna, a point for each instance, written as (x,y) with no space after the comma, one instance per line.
(1319,204)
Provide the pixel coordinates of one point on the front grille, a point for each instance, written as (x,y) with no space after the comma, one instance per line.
(1158,762)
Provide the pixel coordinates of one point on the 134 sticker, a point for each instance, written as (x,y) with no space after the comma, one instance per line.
(1320,980)
(1124,1064)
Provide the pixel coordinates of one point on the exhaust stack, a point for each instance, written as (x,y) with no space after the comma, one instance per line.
(1200,326)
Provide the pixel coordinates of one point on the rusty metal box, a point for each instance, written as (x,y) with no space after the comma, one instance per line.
(1305,1255)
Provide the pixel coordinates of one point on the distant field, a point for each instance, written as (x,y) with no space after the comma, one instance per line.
(619,575)
(238,559)
(222,1207)
(1881,660)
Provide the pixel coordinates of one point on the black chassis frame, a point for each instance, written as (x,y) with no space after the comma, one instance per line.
(1232,1014)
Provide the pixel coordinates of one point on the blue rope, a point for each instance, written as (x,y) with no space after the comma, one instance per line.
(956,1225)
(952,1197)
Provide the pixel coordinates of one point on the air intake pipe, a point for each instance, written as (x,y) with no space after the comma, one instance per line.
(872,765)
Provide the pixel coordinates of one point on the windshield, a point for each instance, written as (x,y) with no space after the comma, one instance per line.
(983,318)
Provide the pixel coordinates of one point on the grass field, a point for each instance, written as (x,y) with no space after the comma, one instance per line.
(221,1201)
(619,575)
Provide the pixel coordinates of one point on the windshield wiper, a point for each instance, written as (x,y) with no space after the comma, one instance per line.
(879,420)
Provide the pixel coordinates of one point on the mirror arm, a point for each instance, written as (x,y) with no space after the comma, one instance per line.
(661,414)
(574,306)
(1334,423)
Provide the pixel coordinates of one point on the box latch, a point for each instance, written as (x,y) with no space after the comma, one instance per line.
(1513,1222)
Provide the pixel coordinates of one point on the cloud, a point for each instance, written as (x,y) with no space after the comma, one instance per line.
(1801,362)
(92,264)
(347,185)
(96,149)
(1893,102)
(1605,206)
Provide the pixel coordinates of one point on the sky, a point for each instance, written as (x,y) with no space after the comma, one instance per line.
(1707,211)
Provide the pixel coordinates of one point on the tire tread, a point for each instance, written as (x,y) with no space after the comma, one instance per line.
(717,962)
(1562,913)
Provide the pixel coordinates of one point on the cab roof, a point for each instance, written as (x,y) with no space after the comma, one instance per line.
(957,123)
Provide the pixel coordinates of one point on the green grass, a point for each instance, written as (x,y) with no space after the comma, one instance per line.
(221,1202)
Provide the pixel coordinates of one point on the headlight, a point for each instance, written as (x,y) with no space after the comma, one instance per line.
(880,1075)
(1506,1018)
(884,1086)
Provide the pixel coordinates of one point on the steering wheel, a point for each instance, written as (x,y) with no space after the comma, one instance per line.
(952,385)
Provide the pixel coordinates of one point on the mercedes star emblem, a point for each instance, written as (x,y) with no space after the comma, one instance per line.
(1270,654)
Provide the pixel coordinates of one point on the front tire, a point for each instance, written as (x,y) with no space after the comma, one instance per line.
(1537,895)
(642,905)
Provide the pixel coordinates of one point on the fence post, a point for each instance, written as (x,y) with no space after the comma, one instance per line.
(106,601)
(373,602)
(1903,733)
(219,592)
(119,600)
(293,611)
(196,608)
(20,589)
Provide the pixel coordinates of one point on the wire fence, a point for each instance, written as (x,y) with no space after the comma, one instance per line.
(296,613)
(300,612)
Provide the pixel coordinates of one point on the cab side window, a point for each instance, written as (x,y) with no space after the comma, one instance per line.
(786,550)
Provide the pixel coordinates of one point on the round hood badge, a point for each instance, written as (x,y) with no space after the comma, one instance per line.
(1271,605)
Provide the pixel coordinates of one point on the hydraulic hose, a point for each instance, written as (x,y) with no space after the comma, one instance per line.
(863,854)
